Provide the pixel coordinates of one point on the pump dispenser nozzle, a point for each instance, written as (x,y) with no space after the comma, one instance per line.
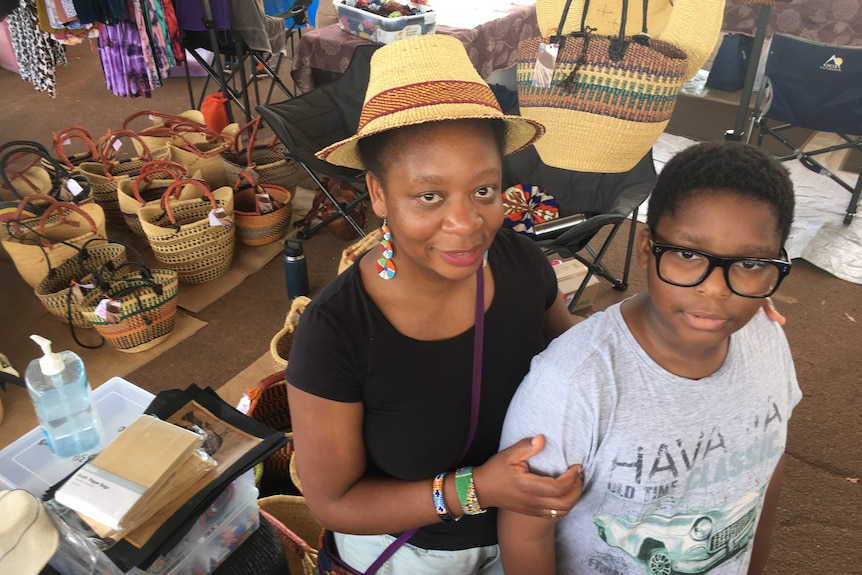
(50,363)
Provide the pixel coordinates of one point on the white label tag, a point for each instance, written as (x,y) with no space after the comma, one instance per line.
(218,217)
(73,186)
(101,308)
(117,145)
(543,72)
(265,203)
(66,142)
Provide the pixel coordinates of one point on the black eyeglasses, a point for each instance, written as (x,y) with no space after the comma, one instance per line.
(746,277)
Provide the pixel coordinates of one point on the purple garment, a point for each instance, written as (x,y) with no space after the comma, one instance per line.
(123,62)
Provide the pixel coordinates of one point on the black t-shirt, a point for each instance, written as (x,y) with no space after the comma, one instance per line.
(416,394)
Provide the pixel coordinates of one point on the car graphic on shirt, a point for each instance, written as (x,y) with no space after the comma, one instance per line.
(691,542)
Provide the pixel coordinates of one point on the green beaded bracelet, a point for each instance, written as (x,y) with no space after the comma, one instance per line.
(467,491)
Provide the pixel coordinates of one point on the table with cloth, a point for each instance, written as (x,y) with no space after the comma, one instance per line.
(489,29)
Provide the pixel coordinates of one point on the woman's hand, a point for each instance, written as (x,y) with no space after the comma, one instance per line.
(772,313)
(505,481)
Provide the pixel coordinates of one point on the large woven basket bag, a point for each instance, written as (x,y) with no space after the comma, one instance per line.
(183,236)
(609,93)
(61,289)
(62,228)
(136,309)
(149,186)
(160,128)
(28,168)
(187,148)
(264,160)
(106,174)
(297,530)
(261,211)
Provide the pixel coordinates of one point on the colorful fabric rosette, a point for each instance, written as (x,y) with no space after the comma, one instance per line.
(526,206)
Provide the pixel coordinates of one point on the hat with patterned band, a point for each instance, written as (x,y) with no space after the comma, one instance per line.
(426,79)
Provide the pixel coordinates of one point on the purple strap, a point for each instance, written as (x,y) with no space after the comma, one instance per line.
(478,340)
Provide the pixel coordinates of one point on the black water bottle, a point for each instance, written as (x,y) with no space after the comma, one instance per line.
(295,269)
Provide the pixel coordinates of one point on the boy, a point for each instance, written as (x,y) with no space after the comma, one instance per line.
(675,401)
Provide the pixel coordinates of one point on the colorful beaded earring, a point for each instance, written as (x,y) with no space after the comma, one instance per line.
(385,265)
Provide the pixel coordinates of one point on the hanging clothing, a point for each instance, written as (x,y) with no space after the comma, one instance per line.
(105,11)
(36,52)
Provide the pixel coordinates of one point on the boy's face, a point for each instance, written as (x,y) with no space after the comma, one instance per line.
(722,223)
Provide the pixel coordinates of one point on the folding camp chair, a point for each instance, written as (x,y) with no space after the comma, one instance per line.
(309,122)
(209,24)
(603,200)
(816,86)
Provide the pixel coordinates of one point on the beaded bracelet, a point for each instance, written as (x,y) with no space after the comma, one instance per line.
(439,500)
(467,491)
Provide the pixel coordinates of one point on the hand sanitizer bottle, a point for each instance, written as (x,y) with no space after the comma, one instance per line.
(61,394)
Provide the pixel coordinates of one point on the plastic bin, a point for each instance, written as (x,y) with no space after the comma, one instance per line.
(381,29)
(28,463)
(228,522)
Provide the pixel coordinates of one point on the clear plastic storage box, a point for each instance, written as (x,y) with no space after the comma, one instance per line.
(229,521)
(382,29)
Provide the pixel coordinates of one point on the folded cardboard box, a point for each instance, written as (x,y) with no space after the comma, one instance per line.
(570,275)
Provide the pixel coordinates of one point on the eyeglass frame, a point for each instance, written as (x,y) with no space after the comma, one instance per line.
(783,266)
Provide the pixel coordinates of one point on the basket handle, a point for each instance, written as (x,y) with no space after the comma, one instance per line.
(74,132)
(15,220)
(40,153)
(150,169)
(224,141)
(106,148)
(69,207)
(179,185)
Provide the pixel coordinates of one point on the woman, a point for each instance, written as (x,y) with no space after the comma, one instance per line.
(382,366)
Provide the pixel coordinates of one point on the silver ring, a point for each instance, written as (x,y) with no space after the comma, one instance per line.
(553,513)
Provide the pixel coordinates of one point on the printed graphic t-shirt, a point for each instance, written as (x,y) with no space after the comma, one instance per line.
(675,469)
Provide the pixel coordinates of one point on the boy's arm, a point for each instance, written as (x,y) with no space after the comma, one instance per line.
(763,536)
(526,543)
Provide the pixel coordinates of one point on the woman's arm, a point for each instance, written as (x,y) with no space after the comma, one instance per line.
(330,459)
(557,319)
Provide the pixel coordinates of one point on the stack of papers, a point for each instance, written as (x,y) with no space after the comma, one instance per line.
(139,472)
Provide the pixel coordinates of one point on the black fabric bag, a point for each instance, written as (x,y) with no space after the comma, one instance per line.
(731,63)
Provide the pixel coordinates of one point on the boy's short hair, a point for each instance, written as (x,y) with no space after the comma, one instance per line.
(732,166)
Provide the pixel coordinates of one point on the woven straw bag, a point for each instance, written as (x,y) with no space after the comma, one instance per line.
(298,531)
(187,149)
(147,308)
(62,228)
(613,87)
(149,186)
(106,174)
(182,238)
(56,291)
(254,225)
(267,403)
(163,128)
(266,162)
(350,254)
(297,306)
(28,168)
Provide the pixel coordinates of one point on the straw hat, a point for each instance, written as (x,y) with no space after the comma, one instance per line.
(426,79)
(28,537)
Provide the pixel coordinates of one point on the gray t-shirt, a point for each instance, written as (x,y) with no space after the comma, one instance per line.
(675,469)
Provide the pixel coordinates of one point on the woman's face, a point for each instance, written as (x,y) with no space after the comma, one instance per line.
(441,197)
